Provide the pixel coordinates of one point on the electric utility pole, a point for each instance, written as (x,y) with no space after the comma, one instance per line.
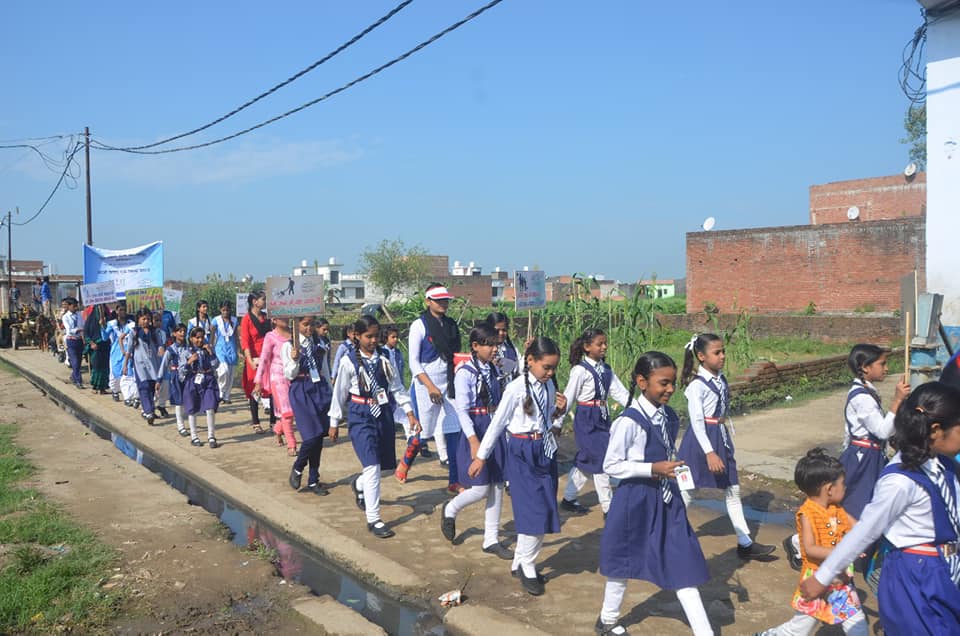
(86,134)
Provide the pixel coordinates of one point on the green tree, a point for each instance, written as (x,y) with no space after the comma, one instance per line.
(915,124)
(391,266)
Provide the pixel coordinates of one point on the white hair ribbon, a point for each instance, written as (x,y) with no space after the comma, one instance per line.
(693,341)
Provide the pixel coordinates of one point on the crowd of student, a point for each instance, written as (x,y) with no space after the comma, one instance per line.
(494,416)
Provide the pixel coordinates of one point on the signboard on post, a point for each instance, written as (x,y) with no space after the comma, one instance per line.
(149,297)
(240,307)
(294,296)
(98,293)
(531,289)
(172,299)
(134,268)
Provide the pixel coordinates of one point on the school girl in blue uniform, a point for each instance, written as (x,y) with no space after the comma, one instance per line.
(200,391)
(118,329)
(707,446)
(225,340)
(507,359)
(310,395)
(365,392)
(477,398)
(914,507)
(591,384)
(143,356)
(526,413)
(174,357)
(647,535)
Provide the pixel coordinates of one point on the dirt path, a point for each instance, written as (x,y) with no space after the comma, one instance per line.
(178,570)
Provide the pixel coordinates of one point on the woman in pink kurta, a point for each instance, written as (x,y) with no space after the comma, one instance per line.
(270,379)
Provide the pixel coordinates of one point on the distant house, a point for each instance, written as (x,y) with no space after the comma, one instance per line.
(24,275)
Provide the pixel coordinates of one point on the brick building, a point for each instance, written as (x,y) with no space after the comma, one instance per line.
(837,267)
(877,199)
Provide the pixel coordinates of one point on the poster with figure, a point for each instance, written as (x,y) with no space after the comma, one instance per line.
(133,268)
(531,289)
(172,299)
(295,295)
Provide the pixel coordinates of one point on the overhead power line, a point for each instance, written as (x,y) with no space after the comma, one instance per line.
(63,175)
(397,9)
(453,27)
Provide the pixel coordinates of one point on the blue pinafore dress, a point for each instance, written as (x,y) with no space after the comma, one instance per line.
(591,423)
(692,453)
(310,394)
(916,594)
(480,414)
(205,395)
(174,356)
(533,481)
(644,537)
(863,460)
(372,437)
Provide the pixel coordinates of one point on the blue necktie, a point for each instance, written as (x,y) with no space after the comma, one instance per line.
(659,420)
(940,476)
(374,386)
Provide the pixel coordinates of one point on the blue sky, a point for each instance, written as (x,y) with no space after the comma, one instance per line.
(574,136)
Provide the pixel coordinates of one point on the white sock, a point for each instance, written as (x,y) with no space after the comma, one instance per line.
(210,423)
(192,419)
(613,593)
(575,481)
(601,482)
(735,512)
(370,485)
(692,604)
(441,441)
(491,515)
(469,496)
(526,553)
(178,411)
(795,540)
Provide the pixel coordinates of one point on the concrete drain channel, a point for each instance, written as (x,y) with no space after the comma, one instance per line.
(295,560)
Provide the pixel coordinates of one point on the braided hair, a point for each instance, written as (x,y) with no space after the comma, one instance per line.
(539,347)
(482,334)
(361,326)
(929,404)
(646,364)
(698,344)
(576,348)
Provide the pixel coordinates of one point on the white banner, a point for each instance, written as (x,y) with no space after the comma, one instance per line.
(98,293)
(133,268)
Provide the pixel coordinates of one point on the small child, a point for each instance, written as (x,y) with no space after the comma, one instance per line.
(914,507)
(343,349)
(391,343)
(507,359)
(271,379)
(592,382)
(173,358)
(224,339)
(526,413)
(310,395)
(200,392)
(165,334)
(647,535)
(821,524)
(73,339)
(365,392)
(477,397)
(707,446)
(118,329)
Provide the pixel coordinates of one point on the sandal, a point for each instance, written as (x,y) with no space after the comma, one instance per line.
(257,428)
(279,439)
(291,452)
(401,476)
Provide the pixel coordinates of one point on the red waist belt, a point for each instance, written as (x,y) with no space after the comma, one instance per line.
(929,549)
(530,436)
(714,420)
(592,403)
(480,410)
(865,443)
(362,400)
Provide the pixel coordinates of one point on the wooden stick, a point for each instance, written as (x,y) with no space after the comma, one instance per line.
(529,324)
(906,349)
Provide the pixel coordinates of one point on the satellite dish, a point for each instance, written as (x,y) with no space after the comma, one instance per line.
(708,223)
(853,213)
(910,170)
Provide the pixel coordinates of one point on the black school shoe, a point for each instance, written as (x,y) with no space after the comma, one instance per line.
(116,397)
(213,443)
(534,586)
(294,479)
(519,572)
(183,432)
(196,442)
(358,494)
(793,557)
(424,451)
(574,507)
(755,551)
(604,629)
(317,489)
(500,550)
(447,526)
(163,411)
(151,419)
(380,530)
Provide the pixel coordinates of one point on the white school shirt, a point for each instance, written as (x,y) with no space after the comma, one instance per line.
(347,383)
(206,325)
(900,510)
(467,385)
(581,387)
(700,401)
(507,366)
(628,442)
(291,367)
(511,417)
(865,416)
(71,324)
(436,369)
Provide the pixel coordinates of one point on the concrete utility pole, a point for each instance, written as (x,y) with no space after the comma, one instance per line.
(86,135)
(10,260)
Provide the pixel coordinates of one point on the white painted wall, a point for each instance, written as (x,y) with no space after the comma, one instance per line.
(943,163)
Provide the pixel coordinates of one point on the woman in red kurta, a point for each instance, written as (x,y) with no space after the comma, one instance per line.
(253,327)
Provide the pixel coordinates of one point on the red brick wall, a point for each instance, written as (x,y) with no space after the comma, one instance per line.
(838,267)
(477,289)
(878,198)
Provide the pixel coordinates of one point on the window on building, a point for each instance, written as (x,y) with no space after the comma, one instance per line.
(358,292)
(334,277)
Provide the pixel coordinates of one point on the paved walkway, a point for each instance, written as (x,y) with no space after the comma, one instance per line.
(740,598)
